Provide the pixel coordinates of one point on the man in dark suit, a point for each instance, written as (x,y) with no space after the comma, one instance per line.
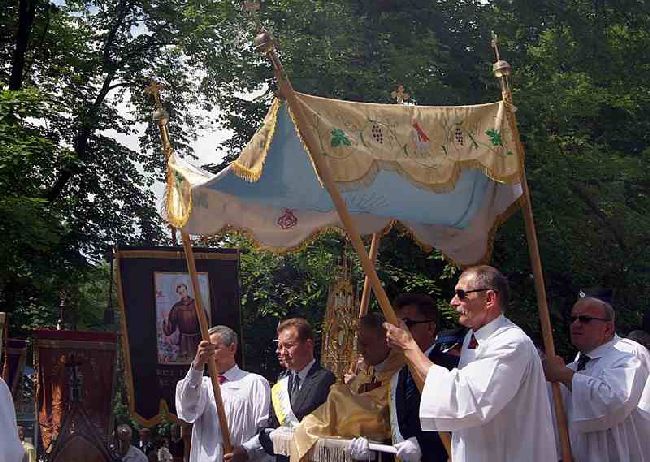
(303,387)
(420,314)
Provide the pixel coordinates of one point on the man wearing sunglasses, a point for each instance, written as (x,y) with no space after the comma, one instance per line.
(495,403)
(609,419)
(420,314)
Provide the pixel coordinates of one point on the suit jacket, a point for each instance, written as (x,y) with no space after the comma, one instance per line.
(407,407)
(313,392)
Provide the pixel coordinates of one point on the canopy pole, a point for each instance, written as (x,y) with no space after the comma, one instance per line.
(161,117)
(203,323)
(502,70)
(265,44)
(365,295)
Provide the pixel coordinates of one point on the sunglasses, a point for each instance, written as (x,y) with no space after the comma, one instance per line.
(410,322)
(584,319)
(462,294)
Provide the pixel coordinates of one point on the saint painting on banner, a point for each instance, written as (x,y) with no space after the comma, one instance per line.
(177,325)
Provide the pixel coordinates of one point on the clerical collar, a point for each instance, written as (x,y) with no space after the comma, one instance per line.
(483,333)
(302,373)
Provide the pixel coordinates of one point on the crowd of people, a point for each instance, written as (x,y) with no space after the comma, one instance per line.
(486,398)
(481,393)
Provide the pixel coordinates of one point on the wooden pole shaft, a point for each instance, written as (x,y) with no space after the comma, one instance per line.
(538,276)
(203,323)
(191,267)
(328,182)
(365,295)
(351,228)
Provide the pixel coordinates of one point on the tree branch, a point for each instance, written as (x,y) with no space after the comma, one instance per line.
(582,193)
(26,14)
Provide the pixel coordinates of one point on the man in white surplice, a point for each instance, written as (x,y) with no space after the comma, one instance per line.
(246,398)
(495,403)
(602,388)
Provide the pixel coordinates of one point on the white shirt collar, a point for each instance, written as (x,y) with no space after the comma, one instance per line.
(302,373)
(601,350)
(232,373)
(484,332)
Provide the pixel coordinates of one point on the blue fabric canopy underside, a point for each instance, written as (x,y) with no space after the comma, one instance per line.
(289,181)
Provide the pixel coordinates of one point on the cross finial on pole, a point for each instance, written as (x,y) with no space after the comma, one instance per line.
(399,95)
(251,7)
(495,45)
(154,88)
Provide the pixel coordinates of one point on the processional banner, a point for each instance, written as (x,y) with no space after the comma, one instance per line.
(160,329)
(56,352)
(15,353)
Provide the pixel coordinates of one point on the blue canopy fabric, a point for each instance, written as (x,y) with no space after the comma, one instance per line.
(451,198)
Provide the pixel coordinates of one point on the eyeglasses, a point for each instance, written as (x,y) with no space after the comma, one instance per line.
(410,322)
(584,319)
(462,294)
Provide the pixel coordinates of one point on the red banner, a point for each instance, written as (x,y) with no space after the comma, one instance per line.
(56,352)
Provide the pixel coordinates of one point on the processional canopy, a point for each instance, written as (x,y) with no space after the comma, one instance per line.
(448,174)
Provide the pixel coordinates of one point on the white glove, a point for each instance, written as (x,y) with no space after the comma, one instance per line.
(358,449)
(409,450)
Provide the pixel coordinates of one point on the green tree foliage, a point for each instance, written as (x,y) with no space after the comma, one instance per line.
(70,189)
(580,87)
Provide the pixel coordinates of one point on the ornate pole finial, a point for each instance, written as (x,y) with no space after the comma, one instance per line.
(399,95)
(252,8)
(159,114)
(501,68)
(264,42)
(161,117)
(495,44)
(154,88)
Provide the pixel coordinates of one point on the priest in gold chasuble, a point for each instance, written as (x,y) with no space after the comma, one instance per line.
(359,407)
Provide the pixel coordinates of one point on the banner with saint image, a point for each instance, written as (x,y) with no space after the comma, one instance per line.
(160,328)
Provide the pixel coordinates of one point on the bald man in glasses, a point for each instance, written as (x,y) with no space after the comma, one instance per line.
(603,389)
(495,403)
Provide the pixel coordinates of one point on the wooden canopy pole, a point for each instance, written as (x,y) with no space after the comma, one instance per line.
(365,295)
(502,71)
(161,116)
(265,44)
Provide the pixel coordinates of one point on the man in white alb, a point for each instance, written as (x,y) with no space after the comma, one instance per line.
(602,388)
(495,403)
(246,399)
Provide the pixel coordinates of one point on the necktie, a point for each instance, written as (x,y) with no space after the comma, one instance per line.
(295,384)
(221,378)
(473,343)
(582,362)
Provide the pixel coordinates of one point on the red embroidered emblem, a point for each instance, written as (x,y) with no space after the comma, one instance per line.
(287,220)
(422,136)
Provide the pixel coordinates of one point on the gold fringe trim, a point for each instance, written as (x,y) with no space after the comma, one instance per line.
(392,224)
(254,174)
(368,177)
